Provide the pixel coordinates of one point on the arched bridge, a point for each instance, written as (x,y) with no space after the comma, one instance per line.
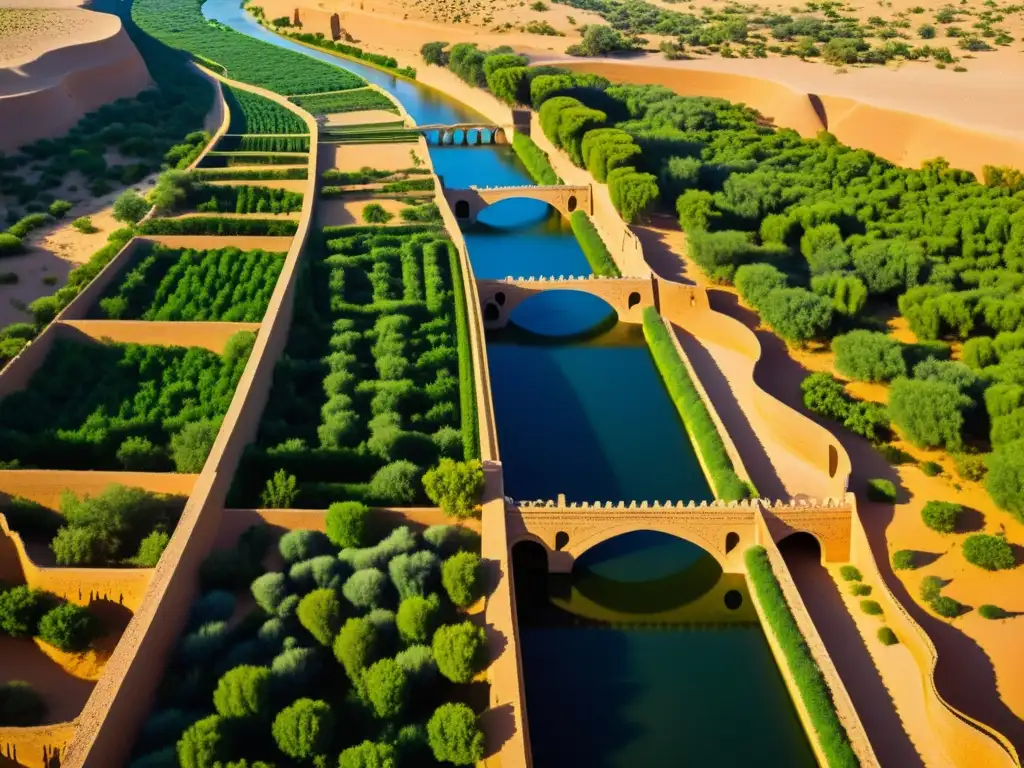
(495,134)
(724,529)
(466,204)
(626,295)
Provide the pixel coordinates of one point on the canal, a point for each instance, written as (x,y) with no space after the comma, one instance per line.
(636,659)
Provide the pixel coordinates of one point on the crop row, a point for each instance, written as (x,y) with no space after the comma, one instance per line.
(249,174)
(349,101)
(263,144)
(252,113)
(368,175)
(368,394)
(182,25)
(216,225)
(122,406)
(168,284)
(245,199)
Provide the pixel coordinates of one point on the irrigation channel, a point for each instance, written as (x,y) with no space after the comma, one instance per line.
(648,655)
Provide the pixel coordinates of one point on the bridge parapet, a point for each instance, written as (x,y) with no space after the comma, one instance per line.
(468,202)
(828,521)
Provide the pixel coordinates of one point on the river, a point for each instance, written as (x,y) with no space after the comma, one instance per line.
(581,410)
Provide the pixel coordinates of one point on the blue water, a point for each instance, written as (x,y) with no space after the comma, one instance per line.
(590,418)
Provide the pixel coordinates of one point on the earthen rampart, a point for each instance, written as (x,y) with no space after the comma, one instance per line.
(36,747)
(209,335)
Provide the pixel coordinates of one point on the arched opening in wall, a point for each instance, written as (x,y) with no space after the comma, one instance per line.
(530,579)
(731,540)
(500,298)
(634,299)
(561,540)
(461,209)
(733,599)
(498,136)
(571,205)
(800,547)
(491,312)
(563,313)
(833,461)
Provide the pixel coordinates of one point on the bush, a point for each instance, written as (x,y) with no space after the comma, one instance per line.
(970,466)
(869,356)
(880,489)
(9,244)
(204,743)
(992,553)
(347,523)
(280,492)
(150,549)
(455,486)
(460,576)
(593,247)
(295,668)
(216,605)
(356,647)
(68,626)
(458,651)
(941,516)
(137,454)
(989,611)
(417,618)
(946,607)
(535,160)
(931,468)
(269,590)
(859,590)
(130,207)
(454,735)
(808,678)
(1005,479)
(756,281)
(871,607)
(191,446)
(418,663)
(322,571)
(369,754)
(374,213)
(414,574)
(387,688)
(20,705)
(59,208)
(303,544)
(304,730)
(21,608)
(886,636)
(395,483)
(366,588)
(690,405)
(796,314)
(850,573)
(903,560)
(931,587)
(84,225)
(243,692)
(320,613)
(931,413)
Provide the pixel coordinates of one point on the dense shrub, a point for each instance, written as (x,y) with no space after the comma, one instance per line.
(931,413)
(946,607)
(593,247)
(356,646)
(387,688)
(534,159)
(303,544)
(859,590)
(941,516)
(414,574)
(243,692)
(993,553)
(303,730)
(455,486)
(366,588)
(130,207)
(871,607)
(455,736)
(880,489)
(903,560)
(869,356)
(886,636)
(458,651)
(1005,478)
(368,754)
(69,627)
(417,618)
(320,613)
(203,743)
(461,577)
(269,590)
(21,608)
(850,573)
(395,483)
(346,523)
(989,611)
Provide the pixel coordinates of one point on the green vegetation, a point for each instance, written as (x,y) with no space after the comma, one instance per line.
(850,573)
(880,489)
(825,395)
(348,101)
(216,225)
(27,612)
(859,590)
(993,553)
(871,607)
(903,560)
(373,389)
(931,595)
(367,175)
(208,198)
(387,63)
(941,516)
(239,56)
(886,636)
(600,40)
(534,159)
(455,486)
(252,113)
(593,247)
(87,400)
(374,213)
(308,673)
(992,612)
(248,174)
(809,681)
(228,159)
(168,284)
(234,143)
(695,416)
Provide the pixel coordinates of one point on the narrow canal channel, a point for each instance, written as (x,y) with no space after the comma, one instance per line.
(648,655)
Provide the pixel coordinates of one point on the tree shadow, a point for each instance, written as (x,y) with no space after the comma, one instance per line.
(970,520)
(1018,554)
(923,559)
(846,647)
(499,726)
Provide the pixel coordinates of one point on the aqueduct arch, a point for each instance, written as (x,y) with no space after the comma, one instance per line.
(565,198)
(627,296)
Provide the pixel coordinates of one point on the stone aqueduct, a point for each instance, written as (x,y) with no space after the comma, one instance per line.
(724,529)
(626,295)
(465,134)
(566,198)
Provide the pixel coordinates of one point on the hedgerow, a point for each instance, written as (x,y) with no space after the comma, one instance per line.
(208,198)
(373,374)
(216,225)
(348,101)
(27,612)
(234,143)
(593,247)
(809,681)
(87,400)
(249,174)
(168,284)
(374,59)
(228,159)
(241,57)
(252,113)
(287,679)
(534,159)
(695,416)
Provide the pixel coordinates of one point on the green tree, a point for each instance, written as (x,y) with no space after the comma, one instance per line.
(454,735)
(356,646)
(455,486)
(1005,479)
(366,588)
(151,549)
(320,613)
(303,730)
(395,483)
(941,516)
(417,618)
(413,573)
(369,754)
(130,207)
(137,454)
(243,692)
(460,576)
(21,608)
(992,553)
(191,445)
(280,491)
(347,523)
(796,314)
(387,688)
(756,281)
(930,413)
(69,627)
(269,590)
(203,744)
(869,356)
(458,651)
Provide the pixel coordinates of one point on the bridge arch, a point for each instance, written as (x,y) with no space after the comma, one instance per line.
(627,297)
(565,198)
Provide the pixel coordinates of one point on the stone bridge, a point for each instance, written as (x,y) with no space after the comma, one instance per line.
(466,204)
(724,529)
(626,295)
(495,134)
